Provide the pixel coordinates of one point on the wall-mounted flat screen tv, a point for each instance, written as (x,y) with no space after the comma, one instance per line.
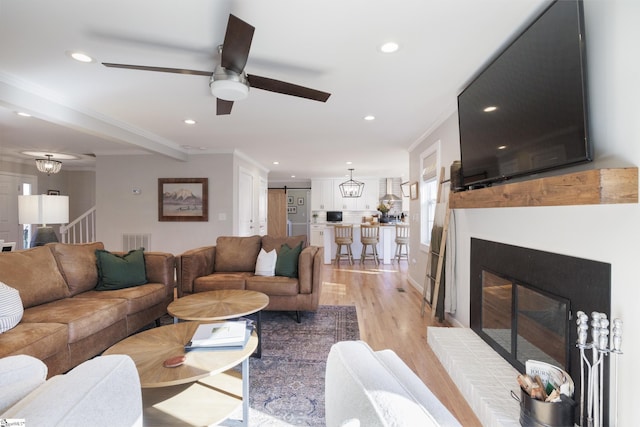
(526,112)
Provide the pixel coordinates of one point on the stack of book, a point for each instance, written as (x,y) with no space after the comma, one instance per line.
(231,335)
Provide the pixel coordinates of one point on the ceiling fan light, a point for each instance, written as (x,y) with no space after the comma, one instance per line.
(229,90)
(228,85)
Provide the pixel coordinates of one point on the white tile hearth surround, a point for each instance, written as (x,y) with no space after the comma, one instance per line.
(484,378)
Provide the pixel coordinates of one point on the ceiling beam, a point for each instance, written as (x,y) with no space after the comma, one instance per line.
(46,108)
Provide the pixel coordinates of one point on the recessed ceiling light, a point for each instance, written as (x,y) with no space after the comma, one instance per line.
(349,163)
(389,47)
(293,176)
(276,163)
(190,121)
(490,109)
(80,56)
(23,114)
(502,147)
(369,118)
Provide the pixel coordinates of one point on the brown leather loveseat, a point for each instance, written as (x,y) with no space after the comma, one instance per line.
(231,264)
(66,321)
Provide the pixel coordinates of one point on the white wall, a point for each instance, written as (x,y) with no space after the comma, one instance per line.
(448,136)
(607,233)
(120,211)
(81,188)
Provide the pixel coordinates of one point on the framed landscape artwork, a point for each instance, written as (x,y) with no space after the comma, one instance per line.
(183,199)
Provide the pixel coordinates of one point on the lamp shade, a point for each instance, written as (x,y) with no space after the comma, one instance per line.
(43,209)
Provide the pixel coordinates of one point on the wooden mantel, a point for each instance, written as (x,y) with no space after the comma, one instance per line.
(592,187)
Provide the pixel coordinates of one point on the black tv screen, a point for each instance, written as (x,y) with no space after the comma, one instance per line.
(526,112)
(334,216)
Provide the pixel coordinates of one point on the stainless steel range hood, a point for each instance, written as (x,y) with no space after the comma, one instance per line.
(389,196)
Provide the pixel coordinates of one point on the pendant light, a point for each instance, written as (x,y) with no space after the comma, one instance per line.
(48,165)
(351,188)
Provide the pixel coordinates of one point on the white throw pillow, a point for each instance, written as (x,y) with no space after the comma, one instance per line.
(266,264)
(11,309)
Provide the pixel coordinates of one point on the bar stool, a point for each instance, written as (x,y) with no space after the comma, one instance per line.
(369,236)
(343,237)
(402,241)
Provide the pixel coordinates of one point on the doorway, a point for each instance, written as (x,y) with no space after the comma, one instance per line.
(298,212)
(12,185)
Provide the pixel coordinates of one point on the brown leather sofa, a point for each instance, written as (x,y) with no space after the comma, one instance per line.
(230,264)
(65,320)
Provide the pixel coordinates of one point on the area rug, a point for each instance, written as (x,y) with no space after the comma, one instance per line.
(287,383)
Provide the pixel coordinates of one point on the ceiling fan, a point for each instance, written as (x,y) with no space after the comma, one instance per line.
(229,82)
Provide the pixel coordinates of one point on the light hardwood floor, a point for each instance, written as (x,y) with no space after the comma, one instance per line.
(388,308)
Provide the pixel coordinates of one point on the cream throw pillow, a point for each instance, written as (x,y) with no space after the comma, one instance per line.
(11,309)
(266,264)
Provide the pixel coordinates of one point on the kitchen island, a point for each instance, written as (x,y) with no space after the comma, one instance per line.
(386,246)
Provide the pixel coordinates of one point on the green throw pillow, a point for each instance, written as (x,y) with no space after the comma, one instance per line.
(120,271)
(287,262)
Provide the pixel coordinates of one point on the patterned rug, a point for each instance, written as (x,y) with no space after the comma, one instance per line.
(287,383)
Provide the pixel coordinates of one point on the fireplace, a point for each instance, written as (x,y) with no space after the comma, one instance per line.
(523,303)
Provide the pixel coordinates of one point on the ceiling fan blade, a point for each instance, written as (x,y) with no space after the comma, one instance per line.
(278,86)
(236,45)
(223,107)
(159,69)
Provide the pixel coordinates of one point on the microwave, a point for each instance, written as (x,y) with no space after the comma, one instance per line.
(334,216)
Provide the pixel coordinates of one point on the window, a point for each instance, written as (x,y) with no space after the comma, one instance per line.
(430,162)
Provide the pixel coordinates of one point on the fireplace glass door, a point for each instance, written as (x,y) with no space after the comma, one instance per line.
(497,309)
(542,331)
(524,323)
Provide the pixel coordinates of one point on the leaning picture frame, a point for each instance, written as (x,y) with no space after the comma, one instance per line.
(183,199)
(413,190)
(53,192)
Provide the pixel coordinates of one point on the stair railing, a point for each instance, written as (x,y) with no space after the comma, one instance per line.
(80,230)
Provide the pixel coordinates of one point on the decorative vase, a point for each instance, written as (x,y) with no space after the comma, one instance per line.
(384,218)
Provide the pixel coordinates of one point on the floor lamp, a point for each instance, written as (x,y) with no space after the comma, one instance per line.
(43,209)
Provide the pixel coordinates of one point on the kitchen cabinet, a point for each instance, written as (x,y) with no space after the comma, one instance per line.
(317,235)
(345,203)
(386,246)
(326,196)
(367,202)
(370,195)
(322,195)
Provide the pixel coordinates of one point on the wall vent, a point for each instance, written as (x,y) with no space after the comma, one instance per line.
(136,241)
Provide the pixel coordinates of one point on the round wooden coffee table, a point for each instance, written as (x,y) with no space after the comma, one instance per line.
(202,391)
(221,305)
